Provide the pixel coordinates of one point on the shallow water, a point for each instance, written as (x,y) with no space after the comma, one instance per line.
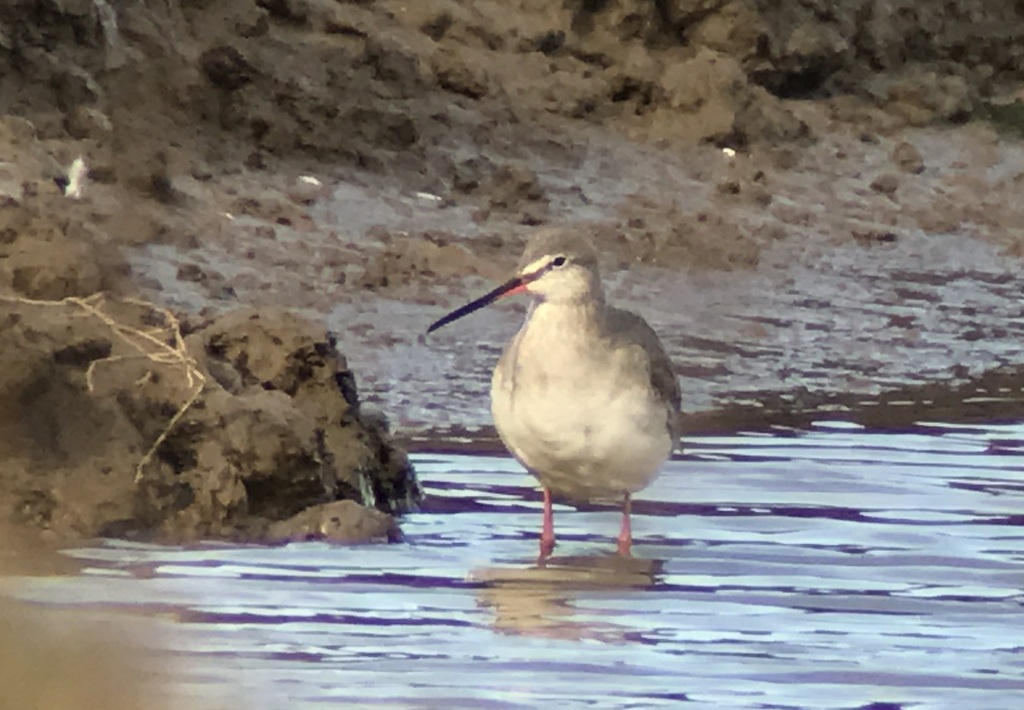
(840,319)
(833,568)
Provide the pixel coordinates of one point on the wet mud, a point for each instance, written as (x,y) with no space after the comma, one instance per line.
(815,206)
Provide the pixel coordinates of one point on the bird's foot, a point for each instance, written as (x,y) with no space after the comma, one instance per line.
(547,531)
(626,531)
(547,546)
(626,546)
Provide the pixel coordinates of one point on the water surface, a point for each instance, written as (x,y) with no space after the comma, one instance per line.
(834,568)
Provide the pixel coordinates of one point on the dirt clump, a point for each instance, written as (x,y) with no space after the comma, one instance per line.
(340,521)
(421,260)
(114,424)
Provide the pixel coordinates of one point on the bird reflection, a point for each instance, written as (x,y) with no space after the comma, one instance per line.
(540,601)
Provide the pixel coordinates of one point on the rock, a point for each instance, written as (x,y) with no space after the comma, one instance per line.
(460,75)
(274,351)
(393,64)
(681,13)
(966,32)
(76,86)
(286,436)
(270,207)
(605,24)
(436,26)
(908,158)
(16,131)
(70,269)
(306,190)
(734,28)
(341,521)
(418,261)
(513,184)
(46,257)
(12,187)
(711,100)
(887,184)
(32,163)
(547,42)
(921,95)
(468,174)
(707,79)
(192,273)
(226,67)
(293,11)
(87,122)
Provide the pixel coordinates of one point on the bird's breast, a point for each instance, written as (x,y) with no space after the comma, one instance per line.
(584,421)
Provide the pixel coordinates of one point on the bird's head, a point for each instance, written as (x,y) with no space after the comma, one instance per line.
(556,267)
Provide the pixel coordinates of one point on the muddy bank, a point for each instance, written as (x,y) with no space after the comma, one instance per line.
(498,118)
(122,418)
(367,165)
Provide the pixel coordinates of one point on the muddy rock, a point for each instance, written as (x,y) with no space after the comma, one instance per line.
(517,189)
(418,260)
(342,521)
(709,98)
(12,188)
(226,68)
(908,158)
(709,86)
(886,183)
(251,420)
(26,159)
(921,95)
(50,249)
(87,122)
(286,376)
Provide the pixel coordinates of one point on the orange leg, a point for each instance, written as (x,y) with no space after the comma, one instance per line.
(547,534)
(626,532)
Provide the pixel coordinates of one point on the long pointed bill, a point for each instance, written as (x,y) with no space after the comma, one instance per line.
(509,288)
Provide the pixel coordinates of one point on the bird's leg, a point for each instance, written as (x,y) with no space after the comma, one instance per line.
(626,531)
(547,533)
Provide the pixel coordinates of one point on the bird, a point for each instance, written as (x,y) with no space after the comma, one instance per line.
(584,395)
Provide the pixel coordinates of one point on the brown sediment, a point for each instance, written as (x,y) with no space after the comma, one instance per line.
(816,207)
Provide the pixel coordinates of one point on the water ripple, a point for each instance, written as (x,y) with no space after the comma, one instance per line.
(831,568)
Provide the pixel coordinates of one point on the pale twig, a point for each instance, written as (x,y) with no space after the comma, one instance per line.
(151,344)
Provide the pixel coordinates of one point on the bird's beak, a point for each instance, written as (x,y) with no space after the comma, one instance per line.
(509,288)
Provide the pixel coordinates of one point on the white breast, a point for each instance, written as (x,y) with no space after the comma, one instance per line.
(579,414)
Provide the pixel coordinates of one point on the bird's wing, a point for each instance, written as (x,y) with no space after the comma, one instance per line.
(663,377)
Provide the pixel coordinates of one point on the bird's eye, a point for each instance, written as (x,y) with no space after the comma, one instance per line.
(559,261)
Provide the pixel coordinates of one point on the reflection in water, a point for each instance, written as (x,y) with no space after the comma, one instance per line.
(540,600)
(832,568)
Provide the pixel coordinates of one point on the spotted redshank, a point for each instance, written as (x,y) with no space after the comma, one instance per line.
(584,396)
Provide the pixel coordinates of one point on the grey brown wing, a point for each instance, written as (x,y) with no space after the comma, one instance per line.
(663,376)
